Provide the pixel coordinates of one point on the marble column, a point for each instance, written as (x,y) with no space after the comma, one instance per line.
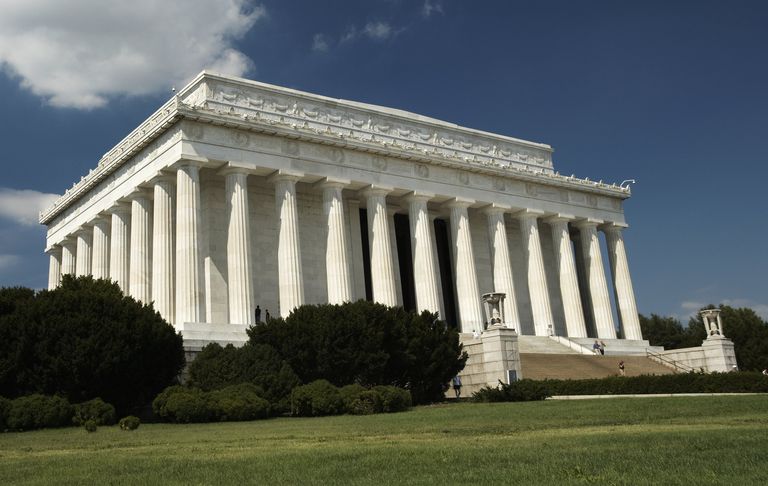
(84,248)
(239,269)
(379,241)
(622,282)
(595,276)
(189,265)
(337,266)
(119,245)
(140,276)
(54,268)
(291,277)
(569,283)
(467,288)
(163,249)
(68,249)
(537,278)
(100,265)
(501,264)
(425,273)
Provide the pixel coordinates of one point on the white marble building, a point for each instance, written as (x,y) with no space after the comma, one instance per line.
(236,194)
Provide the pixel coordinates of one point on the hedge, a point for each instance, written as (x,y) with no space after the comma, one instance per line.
(37,412)
(182,404)
(100,412)
(322,398)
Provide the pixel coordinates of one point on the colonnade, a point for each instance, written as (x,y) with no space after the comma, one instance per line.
(150,244)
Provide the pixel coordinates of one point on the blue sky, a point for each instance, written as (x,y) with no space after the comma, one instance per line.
(671,93)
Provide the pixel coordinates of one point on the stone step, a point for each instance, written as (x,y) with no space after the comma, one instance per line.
(542,345)
(539,366)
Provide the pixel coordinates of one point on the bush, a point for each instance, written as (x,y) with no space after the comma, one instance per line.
(217,367)
(5,405)
(517,391)
(129,423)
(366,402)
(97,410)
(238,403)
(393,399)
(182,405)
(90,426)
(349,393)
(315,399)
(366,343)
(85,339)
(38,411)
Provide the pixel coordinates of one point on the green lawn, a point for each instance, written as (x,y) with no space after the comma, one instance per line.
(701,440)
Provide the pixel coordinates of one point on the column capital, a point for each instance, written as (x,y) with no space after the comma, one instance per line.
(190,161)
(286,175)
(103,217)
(120,207)
(418,196)
(140,192)
(230,168)
(83,229)
(332,183)
(529,214)
(560,218)
(459,202)
(163,176)
(496,208)
(587,223)
(376,190)
(54,249)
(610,227)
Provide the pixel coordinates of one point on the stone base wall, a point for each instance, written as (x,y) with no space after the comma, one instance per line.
(715,354)
(491,356)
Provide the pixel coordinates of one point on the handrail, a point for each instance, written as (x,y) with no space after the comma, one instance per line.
(573,345)
(674,364)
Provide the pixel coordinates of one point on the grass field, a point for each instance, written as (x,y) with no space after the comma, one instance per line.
(702,440)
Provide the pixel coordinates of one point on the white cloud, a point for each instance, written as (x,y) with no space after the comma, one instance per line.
(760,309)
(320,43)
(78,53)
(7,261)
(691,306)
(431,7)
(378,30)
(23,206)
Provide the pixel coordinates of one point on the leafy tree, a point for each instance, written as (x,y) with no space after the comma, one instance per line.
(366,343)
(83,340)
(670,333)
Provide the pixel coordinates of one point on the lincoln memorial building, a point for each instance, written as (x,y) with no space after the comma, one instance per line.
(237,194)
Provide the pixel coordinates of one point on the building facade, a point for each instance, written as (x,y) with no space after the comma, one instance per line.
(237,194)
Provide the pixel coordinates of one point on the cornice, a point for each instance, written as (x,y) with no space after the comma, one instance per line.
(262,108)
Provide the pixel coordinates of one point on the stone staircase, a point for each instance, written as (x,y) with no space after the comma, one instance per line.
(542,345)
(538,365)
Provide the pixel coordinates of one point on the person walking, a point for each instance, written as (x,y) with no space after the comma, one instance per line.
(621,368)
(602,348)
(456,386)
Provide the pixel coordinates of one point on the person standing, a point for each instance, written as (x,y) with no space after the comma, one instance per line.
(457,386)
(602,348)
(621,368)
(258,314)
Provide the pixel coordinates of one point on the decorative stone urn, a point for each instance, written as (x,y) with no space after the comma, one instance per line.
(494,309)
(713,323)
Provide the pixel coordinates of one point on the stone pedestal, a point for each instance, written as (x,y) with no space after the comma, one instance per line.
(719,354)
(492,356)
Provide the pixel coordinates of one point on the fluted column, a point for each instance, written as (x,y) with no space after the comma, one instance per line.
(100,266)
(425,275)
(163,248)
(291,277)
(119,245)
(54,267)
(622,282)
(68,249)
(336,247)
(140,279)
(598,287)
(501,264)
(379,238)
(467,289)
(84,241)
(189,266)
(239,272)
(537,278)
(569,283)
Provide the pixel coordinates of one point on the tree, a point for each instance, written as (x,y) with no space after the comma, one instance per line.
(83,340)
(670,333)
(366,343)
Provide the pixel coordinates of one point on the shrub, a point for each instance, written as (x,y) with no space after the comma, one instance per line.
(517,391)
(393,399)
(349,393)
(129,423)
(39,411)
(90,425)
(238,403)
(366,343)
(97,410)
(315,399)
(366,402)
(187,405)
(86,339)
(5,405)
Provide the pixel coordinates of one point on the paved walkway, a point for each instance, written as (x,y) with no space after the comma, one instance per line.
(647,395)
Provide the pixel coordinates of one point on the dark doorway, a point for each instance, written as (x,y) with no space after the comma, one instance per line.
(403,239)
(443,243)
(366,254)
